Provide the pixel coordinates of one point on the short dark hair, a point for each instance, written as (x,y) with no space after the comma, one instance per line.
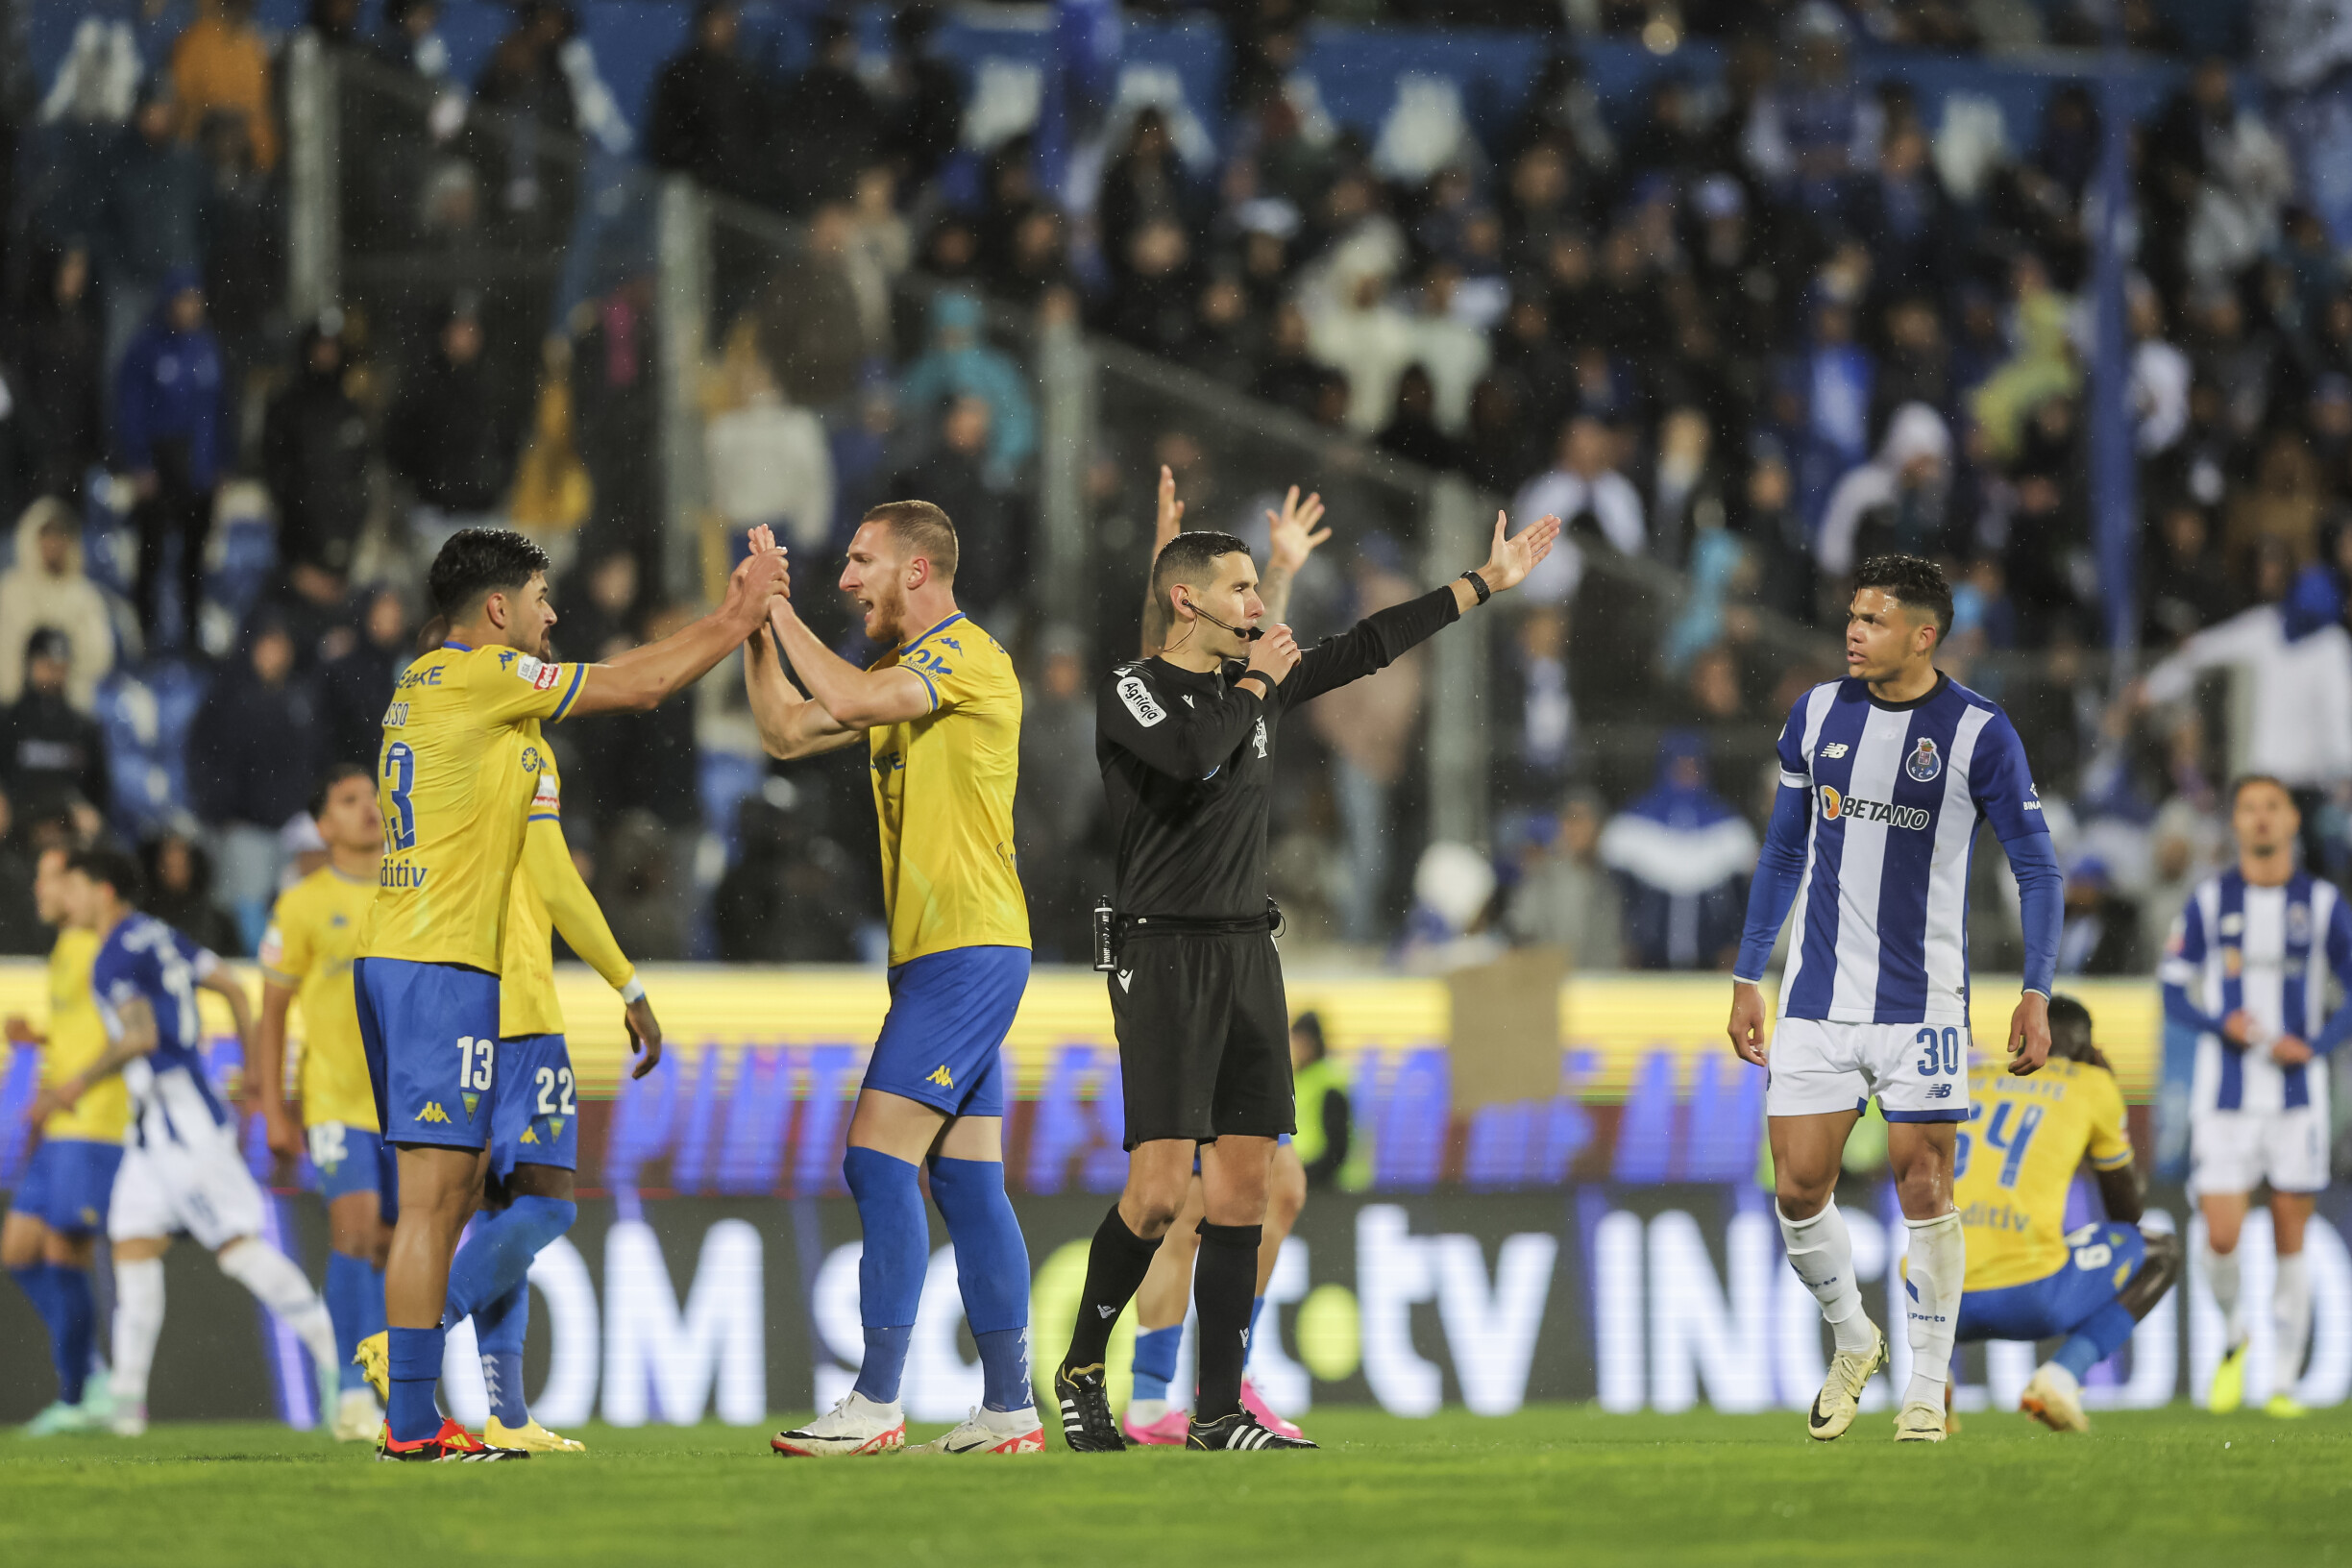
(2070,1027)
(1914,581)
(102,863)
(920,528)
(332,776)
(478,562)
(2246,781)
(1310,1024)
(1190,558)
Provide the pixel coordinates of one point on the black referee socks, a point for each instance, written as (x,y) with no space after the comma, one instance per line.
(1116,1265)
(1224,1284)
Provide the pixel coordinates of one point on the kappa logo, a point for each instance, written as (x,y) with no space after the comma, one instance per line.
(1126,979)
(1835,750)
(1141,701)
(1923,763)
(941,1076)
(432,1112)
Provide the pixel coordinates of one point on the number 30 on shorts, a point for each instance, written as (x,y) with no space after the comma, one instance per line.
(1939,1050)
(477,1059)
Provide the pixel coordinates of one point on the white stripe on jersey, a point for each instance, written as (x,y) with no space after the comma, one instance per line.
(1862,865)
(1817,714)
(1947,936)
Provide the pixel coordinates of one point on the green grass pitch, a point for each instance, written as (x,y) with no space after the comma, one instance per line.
(1561,1484)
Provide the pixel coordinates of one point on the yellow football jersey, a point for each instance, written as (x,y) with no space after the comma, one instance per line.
(452,782)
(2017,1157)
(313,935)
(527,965)
(77,1038)
(943,794)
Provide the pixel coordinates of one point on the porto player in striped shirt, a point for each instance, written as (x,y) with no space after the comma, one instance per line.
(1884,777)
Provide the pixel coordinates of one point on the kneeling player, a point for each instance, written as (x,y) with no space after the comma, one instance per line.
(2027,1277)
(183,1170)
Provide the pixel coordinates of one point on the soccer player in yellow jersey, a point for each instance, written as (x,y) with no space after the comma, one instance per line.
(456,793)
(49,1240)
(306,958)
(940,716)
(2028,1277)
(534,1129)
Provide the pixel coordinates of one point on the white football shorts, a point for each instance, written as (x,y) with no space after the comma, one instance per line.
(2237,1151)
(1919,1071)
(199,1185)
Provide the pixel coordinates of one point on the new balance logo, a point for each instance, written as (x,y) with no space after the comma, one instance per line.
(1834,750)
(1939,1091)
(939,1075)
(432,1112)
(1126,980)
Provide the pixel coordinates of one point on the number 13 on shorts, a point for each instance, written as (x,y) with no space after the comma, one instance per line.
(476,1062)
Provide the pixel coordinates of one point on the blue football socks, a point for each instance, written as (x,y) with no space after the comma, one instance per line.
(497,1256)
(992,1272)
(40,1284)
(1155,1361)
(2094,1340)
(77,1332)
(497,1333)
(416,1367)
(355,1302)
(897,1250)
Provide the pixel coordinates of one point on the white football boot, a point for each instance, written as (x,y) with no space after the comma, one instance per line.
(992,1432)
(358,1417)
(855,1426)
(1841,1391)
(2053,1398)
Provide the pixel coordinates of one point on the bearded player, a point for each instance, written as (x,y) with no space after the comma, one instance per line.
(456,792)
(1884,777)
(940,715)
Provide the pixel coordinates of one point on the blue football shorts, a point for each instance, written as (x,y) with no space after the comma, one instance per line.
(2101,1260)
(432,1037)
(537,1120)
(348,1158)
(943,1039)
(68,1185)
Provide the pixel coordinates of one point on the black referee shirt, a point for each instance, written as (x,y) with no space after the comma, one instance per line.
(1186,759)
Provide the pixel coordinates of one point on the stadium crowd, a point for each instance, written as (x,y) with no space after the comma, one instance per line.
(1752,328)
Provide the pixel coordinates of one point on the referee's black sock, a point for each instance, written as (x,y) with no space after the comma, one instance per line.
(1224,1284)
(1116,1265)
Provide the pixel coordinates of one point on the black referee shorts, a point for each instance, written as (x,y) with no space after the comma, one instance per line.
(1204,1036)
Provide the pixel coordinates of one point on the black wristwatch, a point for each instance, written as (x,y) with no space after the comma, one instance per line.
(1478,586)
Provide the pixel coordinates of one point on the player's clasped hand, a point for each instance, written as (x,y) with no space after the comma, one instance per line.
(2029,1036)
(1275,655)
(1747,1027)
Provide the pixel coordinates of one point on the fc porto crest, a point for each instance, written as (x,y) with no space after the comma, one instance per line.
(1925,762)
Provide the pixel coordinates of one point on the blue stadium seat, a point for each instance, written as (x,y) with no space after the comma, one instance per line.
(696,1127)
(823,1134)
(1058,1128)
(1502,1144)
(758,1118)
(1105,1168)
(643,1111)
(1410,1153)
(1645,1127)
(1727,1115)
(17,1087)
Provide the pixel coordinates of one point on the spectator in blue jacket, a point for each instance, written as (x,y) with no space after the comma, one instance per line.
(171,436)
(1683,858)
(960,365)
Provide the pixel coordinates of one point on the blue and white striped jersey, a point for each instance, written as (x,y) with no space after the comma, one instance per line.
(2268,951)
(143,958)
(1869,840)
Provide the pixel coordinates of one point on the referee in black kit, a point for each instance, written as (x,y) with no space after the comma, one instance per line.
(1185,742)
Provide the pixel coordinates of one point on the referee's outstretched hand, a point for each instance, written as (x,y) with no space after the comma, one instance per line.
(1508,561)
(1275,655)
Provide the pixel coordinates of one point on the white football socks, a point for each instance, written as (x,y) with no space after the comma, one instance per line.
(285,1290)
(138,1320)
(2222,1279)
(1934,1275)
(1821,1252)
(2290,1310)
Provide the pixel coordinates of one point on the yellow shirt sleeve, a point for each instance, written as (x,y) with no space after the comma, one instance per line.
(573,909)
(286,947)
(2110,1143)
(515,686)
